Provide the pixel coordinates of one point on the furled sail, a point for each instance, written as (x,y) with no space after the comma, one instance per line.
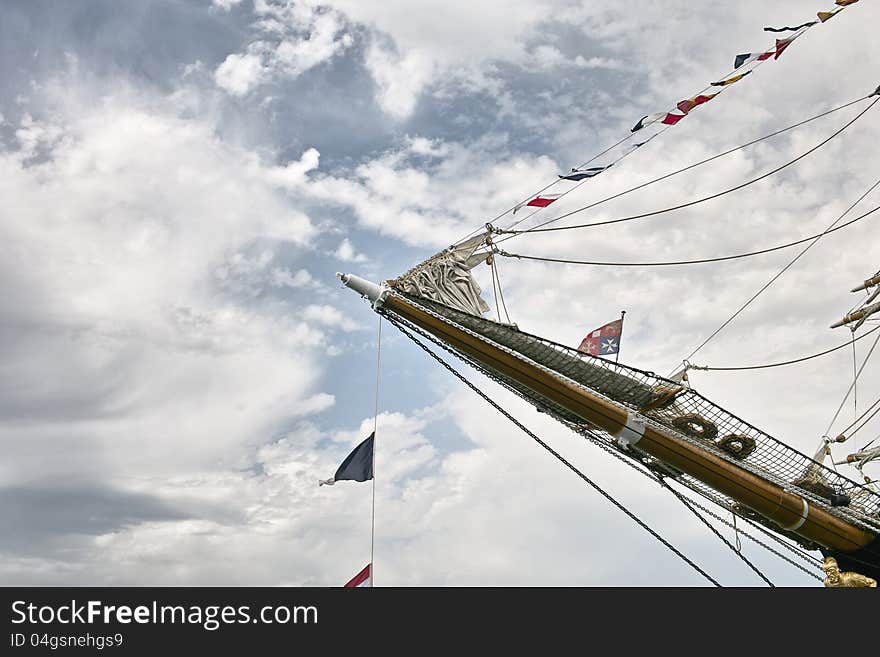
(447,279)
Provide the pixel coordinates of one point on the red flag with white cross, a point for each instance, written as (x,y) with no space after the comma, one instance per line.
(604,341)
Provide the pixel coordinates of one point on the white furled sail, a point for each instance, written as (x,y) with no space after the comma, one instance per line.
(446,278)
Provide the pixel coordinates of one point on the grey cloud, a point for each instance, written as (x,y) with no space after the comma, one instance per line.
(39,517)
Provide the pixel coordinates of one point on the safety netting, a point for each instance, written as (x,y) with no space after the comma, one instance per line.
(680,410)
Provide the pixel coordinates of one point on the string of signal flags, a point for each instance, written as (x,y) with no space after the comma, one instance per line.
(744,64)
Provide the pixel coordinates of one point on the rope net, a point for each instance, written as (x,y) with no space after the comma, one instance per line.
(679,411)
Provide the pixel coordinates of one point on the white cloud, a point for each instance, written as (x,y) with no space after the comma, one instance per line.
(120,252)
(293,173)
(346,252)
(238,74)
(430,203)
(328,316)
(134,257)
(225,5)
(282,277)
(293,38)
(400,79)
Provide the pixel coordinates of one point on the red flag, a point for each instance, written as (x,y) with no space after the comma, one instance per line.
(363,578)
(541,201)
(538,202)
(782,44)
(686,106)
(604,340)
(672,119)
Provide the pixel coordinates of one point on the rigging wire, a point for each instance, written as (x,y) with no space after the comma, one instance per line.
(497,275)
(375,426)
(689,203)
(598,442)
(808,558)
(776,277)
(809,521)
(681,498)
(673,263)
(854,422)
(783,363)
(855,379)
(749,68)
(682,170)
(495,290)
(553,452)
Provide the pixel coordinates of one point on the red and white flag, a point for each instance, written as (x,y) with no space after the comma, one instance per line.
(363,578)
(604,340)
(539,202)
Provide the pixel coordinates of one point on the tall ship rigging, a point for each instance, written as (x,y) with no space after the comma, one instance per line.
(660,425)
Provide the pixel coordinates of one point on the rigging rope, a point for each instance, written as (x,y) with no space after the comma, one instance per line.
(732,525)
(855,374)
(681,498)
(745,70)
(671,263)
(375,426)
(500,291)
(694,165)
(808,558)
(752,66)
(653,477)
(553,452)
(809,520)
(780,273)
(690,203)
(787,362)
(855,379)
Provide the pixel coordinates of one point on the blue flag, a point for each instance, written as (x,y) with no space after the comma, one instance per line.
(357,466)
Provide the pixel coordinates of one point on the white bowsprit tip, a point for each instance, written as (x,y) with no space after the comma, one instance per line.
(370,291)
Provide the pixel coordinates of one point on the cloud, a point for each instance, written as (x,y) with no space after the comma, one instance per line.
(347,253)
(225,5)
(238,74)
(293,39)
(328,316)
(157,248)
(430,193)
(129,253)
(399,79)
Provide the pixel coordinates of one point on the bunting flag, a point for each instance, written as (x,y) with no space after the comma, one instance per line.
(735,78)
(828,15)
(781,45)
(791,29)
(672,119)
(362,579)
(686,106)
(648,120)
(583,174)
(664,117)
(632,147)
(357,466)
(539,202)
(745,58)
(604,341)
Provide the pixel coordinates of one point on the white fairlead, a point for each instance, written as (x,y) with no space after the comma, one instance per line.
(802,519)
(632,431)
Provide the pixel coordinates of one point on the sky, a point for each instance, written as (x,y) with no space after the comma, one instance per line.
(179,366)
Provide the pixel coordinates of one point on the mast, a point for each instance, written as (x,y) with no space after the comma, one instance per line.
(634,427)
